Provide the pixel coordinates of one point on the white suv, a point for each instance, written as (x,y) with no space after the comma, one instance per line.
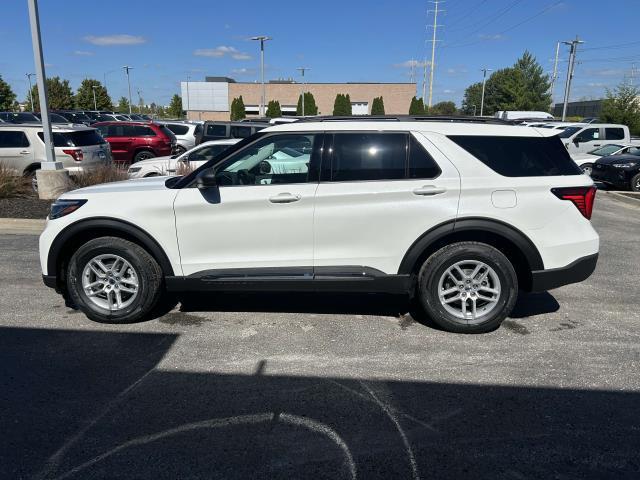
(461,214)
(79,148)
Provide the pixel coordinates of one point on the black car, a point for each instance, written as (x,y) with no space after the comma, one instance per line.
(76,117)
(620,171)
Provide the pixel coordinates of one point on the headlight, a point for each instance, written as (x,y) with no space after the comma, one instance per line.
(135,169)
(623,165)
(61,208)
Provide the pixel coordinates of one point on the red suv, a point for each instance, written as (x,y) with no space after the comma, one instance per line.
(135,141)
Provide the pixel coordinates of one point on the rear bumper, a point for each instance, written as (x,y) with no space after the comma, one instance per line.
(576,271)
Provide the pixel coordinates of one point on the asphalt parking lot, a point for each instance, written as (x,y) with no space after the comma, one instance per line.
(294,386)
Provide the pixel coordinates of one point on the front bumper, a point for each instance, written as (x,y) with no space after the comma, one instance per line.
(577,271)
(619,177)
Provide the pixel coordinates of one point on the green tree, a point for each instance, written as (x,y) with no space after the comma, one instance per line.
(310,107)
(622,106)
(342,105)
(238,111)
(7,97)
(84,96)
(377,106)
(123,105)
(444,108)
(416,107)
(471,99)
(59,94)
(536,93)
(273,109)
(175,107)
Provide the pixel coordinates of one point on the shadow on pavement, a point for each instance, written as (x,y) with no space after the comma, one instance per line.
(82,405)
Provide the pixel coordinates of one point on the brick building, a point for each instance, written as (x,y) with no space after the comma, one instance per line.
(211,99)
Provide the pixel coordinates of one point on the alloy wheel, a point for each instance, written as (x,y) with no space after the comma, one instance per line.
(110,282)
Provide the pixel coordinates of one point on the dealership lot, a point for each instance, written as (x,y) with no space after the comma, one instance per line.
(284,386)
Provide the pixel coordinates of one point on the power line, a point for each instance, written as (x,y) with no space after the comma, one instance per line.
(607,47)
(466,14)
(499,14)
(495,16)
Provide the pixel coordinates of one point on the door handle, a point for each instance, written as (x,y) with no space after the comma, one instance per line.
(284,198)
(596,144)
(25,152)
(428,190)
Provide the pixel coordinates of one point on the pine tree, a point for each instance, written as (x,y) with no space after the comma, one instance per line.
(342,105)
(123,105)
(238,111)
(416,107)
(273,109)
(377,107)
(310,107)
(84,96)
(7,97)
(175,107)
(59,94)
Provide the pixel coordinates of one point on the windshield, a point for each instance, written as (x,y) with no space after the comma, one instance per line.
(606,150)
(569,131)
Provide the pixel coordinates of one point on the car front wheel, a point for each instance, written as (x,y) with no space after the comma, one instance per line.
(467,287)
(587,168)
(635,183)
(113,280)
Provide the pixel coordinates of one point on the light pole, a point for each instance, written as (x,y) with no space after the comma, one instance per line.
(302,70)
(262,39)
(573,44)
(126,71)
(484,82)
(29,75)
(474,110)
(95,104)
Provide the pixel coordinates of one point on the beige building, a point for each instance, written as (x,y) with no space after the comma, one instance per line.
(211,99)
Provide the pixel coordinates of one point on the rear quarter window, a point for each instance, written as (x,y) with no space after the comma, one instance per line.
(178,129)
(520,156)
(83,138)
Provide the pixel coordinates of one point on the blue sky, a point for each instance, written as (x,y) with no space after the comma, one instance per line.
(347,40)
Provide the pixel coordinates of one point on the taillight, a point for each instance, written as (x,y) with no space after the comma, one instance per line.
(581,197)
(76,154)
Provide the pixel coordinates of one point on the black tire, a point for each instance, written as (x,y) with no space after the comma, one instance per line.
(143,155)
(635,183)
(30,177)
(149,275)
(180,150)
(586,168)
(437,264)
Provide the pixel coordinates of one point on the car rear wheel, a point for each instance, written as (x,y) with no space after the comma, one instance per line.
(113,280)
(467,287)
(143,155)
(635,183)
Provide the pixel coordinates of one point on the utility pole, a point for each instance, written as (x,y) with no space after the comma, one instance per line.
(126,71)
(433,47)
(573,44)
(484,82)
(412,74)
(302,70)
(262,39)
(95,104)
(29,75)
(555,71)
(140,101)
(424,80)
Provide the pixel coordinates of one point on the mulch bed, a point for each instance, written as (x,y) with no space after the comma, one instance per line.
(25,207)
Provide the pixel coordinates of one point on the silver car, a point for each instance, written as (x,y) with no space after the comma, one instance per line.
(184,132)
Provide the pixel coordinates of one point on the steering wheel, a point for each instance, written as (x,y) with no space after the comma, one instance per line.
(245,178)
(225,178)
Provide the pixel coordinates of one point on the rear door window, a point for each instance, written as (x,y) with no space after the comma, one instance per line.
(240,132)
(368,156)
(614,133)
(216,130)
(13,139)
(520,156)
(143,131)
(178,129)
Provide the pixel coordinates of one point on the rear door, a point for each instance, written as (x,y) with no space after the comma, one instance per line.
(378,193)
(15,150)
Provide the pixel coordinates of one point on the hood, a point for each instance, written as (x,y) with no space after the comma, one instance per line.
(612,159)
(139,185)
(153,161)
(584,156)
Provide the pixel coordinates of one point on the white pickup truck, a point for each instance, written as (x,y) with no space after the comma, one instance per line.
(580,138)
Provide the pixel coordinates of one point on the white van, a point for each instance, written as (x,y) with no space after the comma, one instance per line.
(582,138)
(522,114)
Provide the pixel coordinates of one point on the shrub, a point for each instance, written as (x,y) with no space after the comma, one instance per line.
(11,185)
(96,176)
(184,168)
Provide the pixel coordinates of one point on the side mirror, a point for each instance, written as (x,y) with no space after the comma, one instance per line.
(577,140)
(206,179)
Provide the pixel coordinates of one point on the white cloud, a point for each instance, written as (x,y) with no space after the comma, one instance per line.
(448,91)
(411,63)
(456,70)
(222,51)
(607,72)
(120,39)
(83,53)
(494,36)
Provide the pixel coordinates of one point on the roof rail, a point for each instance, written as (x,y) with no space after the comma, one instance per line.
(407,118)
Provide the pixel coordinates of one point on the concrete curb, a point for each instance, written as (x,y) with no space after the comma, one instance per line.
(623,198)
(21,226)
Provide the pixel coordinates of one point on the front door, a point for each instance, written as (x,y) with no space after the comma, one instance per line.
(588,139)
(15,151)
(259,220)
